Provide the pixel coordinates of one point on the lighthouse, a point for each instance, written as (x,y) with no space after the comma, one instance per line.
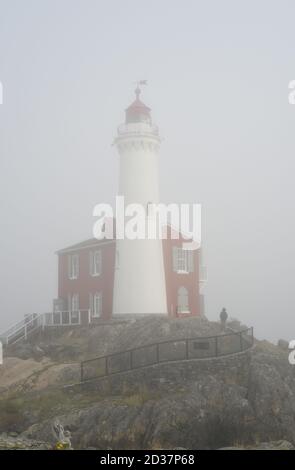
(139,283)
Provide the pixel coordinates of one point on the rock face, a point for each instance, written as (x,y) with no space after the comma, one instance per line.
(236,401)
(9,442)
(233,401)
(272,445)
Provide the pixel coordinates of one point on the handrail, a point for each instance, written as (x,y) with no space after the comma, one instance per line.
(33,322)
(242,335)
(24,326)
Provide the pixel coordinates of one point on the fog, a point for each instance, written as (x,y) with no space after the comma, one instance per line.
(218,75)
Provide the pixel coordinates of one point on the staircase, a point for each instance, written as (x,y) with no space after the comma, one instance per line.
(23,329)
(36,321)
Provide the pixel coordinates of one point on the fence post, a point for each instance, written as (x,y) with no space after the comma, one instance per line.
(216,346)
(241,341)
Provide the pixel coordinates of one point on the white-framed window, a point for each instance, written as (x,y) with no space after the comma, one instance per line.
(73,266)
(182,300)
(183,260)
(95,262)
(96,304)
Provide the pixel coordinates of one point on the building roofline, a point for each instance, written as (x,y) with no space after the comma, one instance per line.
(91,243)
(94,242)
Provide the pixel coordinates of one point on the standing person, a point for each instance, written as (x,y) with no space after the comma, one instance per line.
(223,317)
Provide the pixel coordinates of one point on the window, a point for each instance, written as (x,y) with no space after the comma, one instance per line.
(73,266)
(95,263)
(183,260)
(182,300)
(182,264)
(96,304)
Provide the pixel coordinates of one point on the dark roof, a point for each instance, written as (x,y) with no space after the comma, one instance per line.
(138,106)
(91,242)
(137,111)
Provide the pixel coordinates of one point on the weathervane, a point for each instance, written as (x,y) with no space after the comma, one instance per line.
(138,84)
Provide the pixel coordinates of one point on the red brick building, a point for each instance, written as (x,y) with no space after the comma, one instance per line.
(86,280)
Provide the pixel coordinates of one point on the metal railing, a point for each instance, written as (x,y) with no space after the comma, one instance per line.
(138,128)
(167,351)
(33,322)
(67,318)
(22,329)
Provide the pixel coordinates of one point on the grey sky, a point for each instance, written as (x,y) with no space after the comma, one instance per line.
(218,76)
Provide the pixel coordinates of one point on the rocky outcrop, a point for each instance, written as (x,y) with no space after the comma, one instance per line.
(75,344)
(272,445)
(14,442)
(237,401)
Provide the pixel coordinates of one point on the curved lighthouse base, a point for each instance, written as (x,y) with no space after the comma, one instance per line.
(139,286)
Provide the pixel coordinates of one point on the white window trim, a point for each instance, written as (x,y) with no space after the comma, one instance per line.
(94,313)
(184,260)
(93,265)
(183,308)
(179,310)
(71,273)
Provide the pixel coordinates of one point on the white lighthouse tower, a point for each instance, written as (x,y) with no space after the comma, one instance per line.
(139,286)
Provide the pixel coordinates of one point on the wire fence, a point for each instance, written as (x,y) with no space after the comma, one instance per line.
(167,351)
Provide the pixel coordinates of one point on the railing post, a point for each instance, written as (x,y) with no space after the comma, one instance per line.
(241,341)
